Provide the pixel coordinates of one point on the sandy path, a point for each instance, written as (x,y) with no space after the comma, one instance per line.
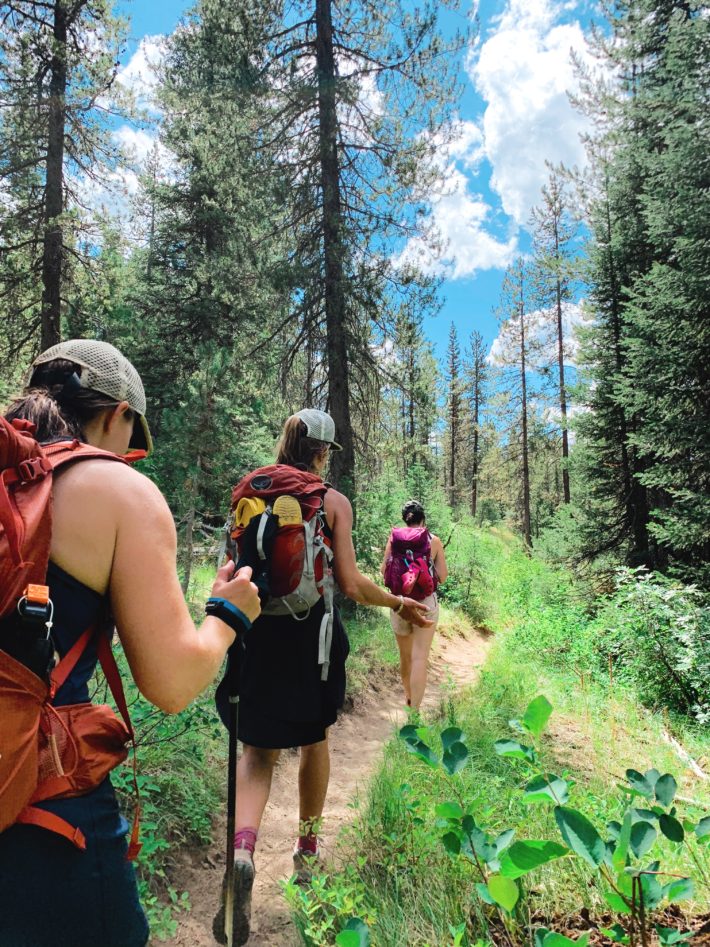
(356,746)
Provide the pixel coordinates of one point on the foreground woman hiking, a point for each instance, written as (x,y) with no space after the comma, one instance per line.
(294,528)
(112,558)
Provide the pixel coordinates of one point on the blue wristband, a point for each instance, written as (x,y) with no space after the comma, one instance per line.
(228,613)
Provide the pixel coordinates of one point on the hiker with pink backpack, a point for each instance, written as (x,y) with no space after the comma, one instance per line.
(287,674)
(414,565)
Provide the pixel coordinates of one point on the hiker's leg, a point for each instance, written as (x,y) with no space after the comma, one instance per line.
(404,643)
(313,776)
(254,772)
(421,640)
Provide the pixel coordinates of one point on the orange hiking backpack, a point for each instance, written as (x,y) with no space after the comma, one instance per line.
(46,752)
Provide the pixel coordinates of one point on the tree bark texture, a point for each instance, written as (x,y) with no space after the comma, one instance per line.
(561,368)
(524,425)
(342,466)
(53,250)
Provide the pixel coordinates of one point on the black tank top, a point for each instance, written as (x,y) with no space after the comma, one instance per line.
(76,607)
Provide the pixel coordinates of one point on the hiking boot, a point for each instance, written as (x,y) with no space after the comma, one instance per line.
(287,509)
(241,900)
(305,863)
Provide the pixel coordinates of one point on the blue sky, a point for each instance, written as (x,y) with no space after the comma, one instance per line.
(514,116)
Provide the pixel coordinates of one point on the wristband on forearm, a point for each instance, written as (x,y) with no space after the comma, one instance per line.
(228,613)
(400,606)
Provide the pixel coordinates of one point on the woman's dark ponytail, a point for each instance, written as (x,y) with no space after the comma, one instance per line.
(413,513)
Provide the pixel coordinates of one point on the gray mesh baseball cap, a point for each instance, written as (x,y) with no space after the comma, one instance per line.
(320,426)
(104,369)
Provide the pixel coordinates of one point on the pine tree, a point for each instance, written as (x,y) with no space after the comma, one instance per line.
(668,347)
(57,62)
(513,356)
(554,230)
(476,383)
(644,467)
(353,86)
(453,412)
(211,275)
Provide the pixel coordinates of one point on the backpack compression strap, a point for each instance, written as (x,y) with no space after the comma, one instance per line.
(34,815)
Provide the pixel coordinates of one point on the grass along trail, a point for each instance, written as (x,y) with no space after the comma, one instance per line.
(356,740)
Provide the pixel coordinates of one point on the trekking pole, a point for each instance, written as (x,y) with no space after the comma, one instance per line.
(231,816)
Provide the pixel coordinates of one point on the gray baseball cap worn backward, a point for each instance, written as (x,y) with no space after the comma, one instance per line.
(103,368)
(319,425)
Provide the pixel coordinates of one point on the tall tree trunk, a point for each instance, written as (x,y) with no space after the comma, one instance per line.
(635,495)
(561,367)
(524,397)
(189,548)
(474,470)
(342,462)
(53,251)
(412,386)
(452,461)
(563,396)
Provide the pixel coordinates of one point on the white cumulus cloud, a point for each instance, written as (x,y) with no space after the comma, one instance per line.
(140,74)
(523,71)
(461,220)
(541,337)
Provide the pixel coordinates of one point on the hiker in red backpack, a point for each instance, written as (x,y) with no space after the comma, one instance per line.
(292,671)
(85,540)
(415,565)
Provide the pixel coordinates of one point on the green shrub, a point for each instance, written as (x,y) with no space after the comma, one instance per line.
(657,634)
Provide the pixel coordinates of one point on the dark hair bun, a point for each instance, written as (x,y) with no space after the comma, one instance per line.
(413,513)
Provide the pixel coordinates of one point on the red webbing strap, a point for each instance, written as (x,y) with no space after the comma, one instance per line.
(113,678)
(32,815)
(68,662)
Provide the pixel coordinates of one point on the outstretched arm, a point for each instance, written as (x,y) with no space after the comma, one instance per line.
(171,660)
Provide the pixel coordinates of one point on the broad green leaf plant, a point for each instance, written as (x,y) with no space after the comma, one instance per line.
(626,857)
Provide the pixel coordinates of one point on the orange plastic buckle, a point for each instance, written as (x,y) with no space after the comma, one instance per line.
(37,594)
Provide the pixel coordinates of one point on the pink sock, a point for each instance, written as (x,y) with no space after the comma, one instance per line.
(308,843)
(246,838)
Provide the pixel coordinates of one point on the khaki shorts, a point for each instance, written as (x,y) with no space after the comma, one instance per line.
(402,627)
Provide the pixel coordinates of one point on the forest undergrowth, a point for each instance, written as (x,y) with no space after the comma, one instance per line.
(564,798)
(627,681)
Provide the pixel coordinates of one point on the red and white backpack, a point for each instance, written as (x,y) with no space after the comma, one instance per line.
(290,561)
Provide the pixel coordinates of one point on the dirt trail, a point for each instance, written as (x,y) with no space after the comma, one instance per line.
(356,746)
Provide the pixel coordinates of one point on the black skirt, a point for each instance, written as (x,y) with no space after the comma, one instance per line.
(282,700)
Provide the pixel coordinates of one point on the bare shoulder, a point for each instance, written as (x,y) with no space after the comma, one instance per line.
(336,502)
(110,494)
(107,479)
(102,508)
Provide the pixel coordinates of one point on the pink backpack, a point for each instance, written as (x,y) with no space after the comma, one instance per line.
(409,569)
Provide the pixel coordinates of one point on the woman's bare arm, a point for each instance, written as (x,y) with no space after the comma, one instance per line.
(388,553)
(115,533)
(439,558)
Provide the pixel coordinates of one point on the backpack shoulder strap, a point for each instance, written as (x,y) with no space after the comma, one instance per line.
(62,453)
